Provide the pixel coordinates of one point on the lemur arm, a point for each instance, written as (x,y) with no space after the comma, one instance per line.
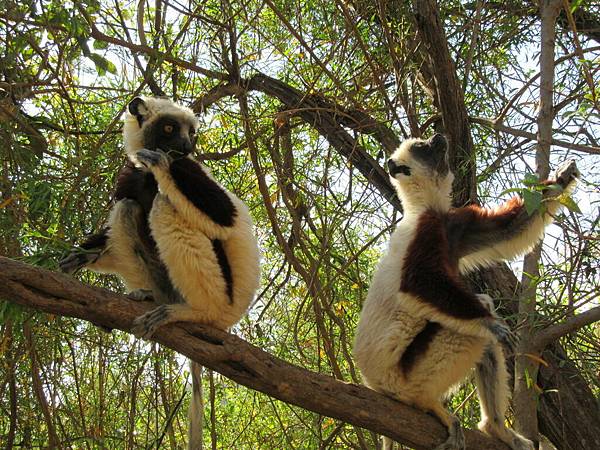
(431,288)
(481,236)
(440,297)
(193,193)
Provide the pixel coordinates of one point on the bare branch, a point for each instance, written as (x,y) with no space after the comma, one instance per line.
(532,136)
(548,335)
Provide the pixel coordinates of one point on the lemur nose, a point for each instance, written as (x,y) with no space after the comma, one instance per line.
(437,139)
(391,165)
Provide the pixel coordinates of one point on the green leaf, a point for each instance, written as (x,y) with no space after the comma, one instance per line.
(532,200)
(100,45)
(575,5)
(103,65)
(569,203)
(531,179)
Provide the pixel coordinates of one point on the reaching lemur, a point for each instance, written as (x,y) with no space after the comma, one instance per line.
(421,330)
(174,234)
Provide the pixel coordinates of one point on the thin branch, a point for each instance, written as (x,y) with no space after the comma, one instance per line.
(233,357)
(550,334)
(99,35)
(490,123)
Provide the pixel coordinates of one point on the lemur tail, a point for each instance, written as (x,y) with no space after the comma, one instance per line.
(195,413)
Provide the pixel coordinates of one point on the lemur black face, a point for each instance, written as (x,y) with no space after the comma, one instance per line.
(432,153)
(170,135)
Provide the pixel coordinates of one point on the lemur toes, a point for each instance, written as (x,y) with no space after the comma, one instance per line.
(77,260)
(455,441)
(141,295)
(145,325)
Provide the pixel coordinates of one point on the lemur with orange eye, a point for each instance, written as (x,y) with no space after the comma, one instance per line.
(174,233)
(421,329)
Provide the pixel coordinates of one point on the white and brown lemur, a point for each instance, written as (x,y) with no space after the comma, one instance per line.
(421,329)
(174,234)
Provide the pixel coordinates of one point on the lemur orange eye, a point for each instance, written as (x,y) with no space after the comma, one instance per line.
(168,129)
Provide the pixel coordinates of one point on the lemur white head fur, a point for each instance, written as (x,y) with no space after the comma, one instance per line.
(159,124)
(420,173)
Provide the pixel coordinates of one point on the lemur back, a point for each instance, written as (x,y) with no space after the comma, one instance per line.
(421,329)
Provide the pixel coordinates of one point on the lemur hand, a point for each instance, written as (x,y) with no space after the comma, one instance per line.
(487,302)
(502,333)
(567,173)
(153,159)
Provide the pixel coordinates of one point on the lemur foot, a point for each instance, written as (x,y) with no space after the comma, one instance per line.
(151,158)
(502,333)
(513,439)
(456,439)
(520,443)
(145,325)
(78,259)
(567,173)
(141,295)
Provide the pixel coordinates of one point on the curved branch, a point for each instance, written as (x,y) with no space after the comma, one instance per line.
(328,119)
(233,357)
(550,334)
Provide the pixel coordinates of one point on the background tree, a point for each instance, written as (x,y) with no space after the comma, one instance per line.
(301,102)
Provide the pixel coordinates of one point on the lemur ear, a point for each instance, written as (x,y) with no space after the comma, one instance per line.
(138,108)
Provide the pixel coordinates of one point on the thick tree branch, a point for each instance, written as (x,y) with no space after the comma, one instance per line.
(231,356)
(450,97)
(326,118)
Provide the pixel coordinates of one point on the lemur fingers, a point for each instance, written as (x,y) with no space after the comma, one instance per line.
(487,301)
(502,332)
(153,159)
(141,295)
(78,259)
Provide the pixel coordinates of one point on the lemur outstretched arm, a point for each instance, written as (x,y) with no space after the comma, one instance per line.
(431,288)
(482,236)
(192,192)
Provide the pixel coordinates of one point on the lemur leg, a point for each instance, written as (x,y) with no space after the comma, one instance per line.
(456,438)
(158,285)
(88,252)
(491,378)
(113,249)
(125,248)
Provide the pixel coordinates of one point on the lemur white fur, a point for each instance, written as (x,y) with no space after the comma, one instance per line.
(174,234)
(421,331)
